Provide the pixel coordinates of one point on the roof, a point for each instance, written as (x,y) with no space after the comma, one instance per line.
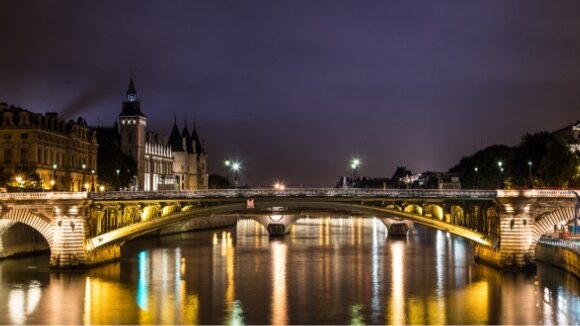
(198,146)
(175,139)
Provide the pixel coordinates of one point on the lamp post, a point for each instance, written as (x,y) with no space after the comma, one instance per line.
(19,181)
(93,180)
(530,184)
(53,181)
(236,166)
(84,166)
(354,164)
(476,177)
(500,165)
(228,163)
(118,184)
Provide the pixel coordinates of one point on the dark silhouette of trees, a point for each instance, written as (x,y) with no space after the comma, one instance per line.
(553,165)
(217,181)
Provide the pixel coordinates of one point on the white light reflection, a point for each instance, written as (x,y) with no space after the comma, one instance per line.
(279,286)
(375,268)
(23,300)
(397,309)
(143,280)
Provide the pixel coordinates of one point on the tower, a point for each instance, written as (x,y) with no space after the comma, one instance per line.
(132,125)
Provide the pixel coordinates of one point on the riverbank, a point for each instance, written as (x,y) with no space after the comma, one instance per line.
(562,257)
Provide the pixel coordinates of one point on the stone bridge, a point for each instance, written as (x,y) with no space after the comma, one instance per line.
(89,228)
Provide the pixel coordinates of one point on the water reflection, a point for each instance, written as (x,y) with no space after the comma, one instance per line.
(328,270)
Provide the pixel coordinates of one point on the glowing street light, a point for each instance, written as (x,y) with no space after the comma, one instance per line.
(19,181)
(93,180)
(84,166)
(53,181)
(227,163)
(354,164)
(500,165)
(530,185)
(236,166)
(279,186)
(476,177)
(118,184)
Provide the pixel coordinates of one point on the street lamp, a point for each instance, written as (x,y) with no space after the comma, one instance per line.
(118,184)
(236,166)
(84,166)
(19,181)
(530,185)
(227,163)
(93,180)
(354,164)
(53,181)
(476,177)
(500,164)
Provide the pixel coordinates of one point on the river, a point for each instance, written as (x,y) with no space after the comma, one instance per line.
(326,271)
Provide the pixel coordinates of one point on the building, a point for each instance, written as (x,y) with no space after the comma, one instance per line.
(571,134)
(179,163)
(63,154)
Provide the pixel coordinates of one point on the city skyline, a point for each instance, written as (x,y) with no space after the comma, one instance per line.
(289,89)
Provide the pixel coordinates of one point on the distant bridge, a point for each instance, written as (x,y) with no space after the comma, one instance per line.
(87,228)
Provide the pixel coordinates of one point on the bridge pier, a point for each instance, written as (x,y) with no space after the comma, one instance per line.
(276,225)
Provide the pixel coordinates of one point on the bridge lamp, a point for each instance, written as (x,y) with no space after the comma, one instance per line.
(118,184)
(530,185)
(86,185)
(354,164)
(476,177)
(228,163)
(276,186)
(236,166)
(102,188)
(19,181)
(53,181)
(84,166)
(93,180)
(500,165)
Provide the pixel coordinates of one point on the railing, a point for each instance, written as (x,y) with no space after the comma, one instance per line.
(572,245)
(297,192)
(544,193)
(42,195)
(292,192)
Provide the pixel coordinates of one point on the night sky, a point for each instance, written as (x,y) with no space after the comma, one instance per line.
(294,89)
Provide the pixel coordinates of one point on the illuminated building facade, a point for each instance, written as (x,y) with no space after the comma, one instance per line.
(177,164)
(61,153)
(571,134)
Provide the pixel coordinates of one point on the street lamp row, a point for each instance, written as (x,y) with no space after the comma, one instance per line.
(500,167)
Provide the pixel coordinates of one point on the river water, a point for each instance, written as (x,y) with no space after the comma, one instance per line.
(326,271)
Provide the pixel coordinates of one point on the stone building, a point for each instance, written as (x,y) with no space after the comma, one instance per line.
(571,134)
(179,163)
(61,153)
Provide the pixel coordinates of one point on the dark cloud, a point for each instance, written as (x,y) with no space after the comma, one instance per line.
(294,88)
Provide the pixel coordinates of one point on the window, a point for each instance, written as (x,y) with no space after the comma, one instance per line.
(129,137)
(7,136)
(7,156)
(24,136)
(23,155)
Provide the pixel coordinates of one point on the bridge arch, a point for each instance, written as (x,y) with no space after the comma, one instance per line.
(141,228)
(545,223)
(37,222)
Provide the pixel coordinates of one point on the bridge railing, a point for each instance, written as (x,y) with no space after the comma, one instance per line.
(572,245)
(42,195)
(296,192)
(291,192)
(543,193)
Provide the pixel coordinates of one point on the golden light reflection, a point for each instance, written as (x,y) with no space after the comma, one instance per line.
(23,301)
(397,305)
(279,285)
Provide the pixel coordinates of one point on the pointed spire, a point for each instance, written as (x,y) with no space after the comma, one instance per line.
(193,120)
(131,92)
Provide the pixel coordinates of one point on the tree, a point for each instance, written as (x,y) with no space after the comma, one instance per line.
(110,158)
(552,162)
(486,161)
(216,181)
